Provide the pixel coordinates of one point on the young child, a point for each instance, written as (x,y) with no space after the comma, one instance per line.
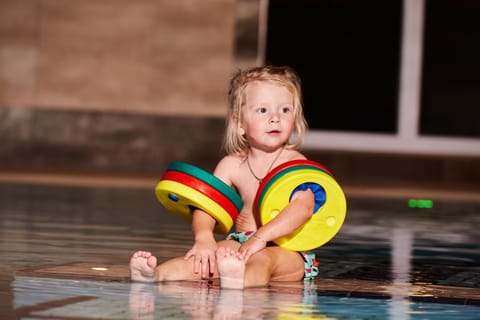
(265,111)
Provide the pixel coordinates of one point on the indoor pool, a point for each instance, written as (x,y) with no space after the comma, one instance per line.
(65,253)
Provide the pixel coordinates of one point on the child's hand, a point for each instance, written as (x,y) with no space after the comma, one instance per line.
(203,253)
(251,246)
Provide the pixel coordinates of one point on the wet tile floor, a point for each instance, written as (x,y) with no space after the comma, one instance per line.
(65,252)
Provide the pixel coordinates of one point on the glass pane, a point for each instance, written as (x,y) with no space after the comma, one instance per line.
(451,69)
(347,53)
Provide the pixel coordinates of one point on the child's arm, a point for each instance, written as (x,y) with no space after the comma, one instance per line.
(294,215)
(203,249)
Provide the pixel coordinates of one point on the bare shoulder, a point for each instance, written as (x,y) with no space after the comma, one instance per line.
(292,154)
(226,167)
(229,162)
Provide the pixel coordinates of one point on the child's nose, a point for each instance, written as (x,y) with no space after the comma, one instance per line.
(274,118)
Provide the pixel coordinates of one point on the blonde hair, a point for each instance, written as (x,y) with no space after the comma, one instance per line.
(236,143)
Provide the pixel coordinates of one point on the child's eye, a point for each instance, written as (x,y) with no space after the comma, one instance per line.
(261,110)
(286,109)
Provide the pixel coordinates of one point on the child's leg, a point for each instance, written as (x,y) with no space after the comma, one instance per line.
(269,264)
(143,266)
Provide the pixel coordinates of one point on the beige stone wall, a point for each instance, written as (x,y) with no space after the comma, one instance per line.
(150,56)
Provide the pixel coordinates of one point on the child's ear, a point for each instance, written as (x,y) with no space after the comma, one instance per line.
(241,131)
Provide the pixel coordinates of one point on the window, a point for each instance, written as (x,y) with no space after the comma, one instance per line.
(384,76)
(347,54)
(450,103)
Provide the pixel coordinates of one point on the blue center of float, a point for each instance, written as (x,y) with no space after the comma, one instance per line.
(318,192)
(173,197)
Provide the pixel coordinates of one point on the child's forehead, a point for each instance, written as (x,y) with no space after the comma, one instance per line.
(265,85)
(262,92)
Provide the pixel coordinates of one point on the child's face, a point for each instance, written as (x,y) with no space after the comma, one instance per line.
(267,117)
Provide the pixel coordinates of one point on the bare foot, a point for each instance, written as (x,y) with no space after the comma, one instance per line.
(142,266)
(230,268)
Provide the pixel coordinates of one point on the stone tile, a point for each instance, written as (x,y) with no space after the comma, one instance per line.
(144,56)
(18,22)
(18,52)
(90,141)
(193,51)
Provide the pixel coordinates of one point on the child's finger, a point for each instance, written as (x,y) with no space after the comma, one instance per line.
(212,264)
(247,255)
(188,255)
(241,254)
(197,264)
(205,266)
(206,263)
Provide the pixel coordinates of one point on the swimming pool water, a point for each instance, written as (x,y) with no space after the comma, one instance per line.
(389,261)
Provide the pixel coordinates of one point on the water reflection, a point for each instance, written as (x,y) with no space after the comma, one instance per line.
(402,247)
(73,299)
(203,300)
